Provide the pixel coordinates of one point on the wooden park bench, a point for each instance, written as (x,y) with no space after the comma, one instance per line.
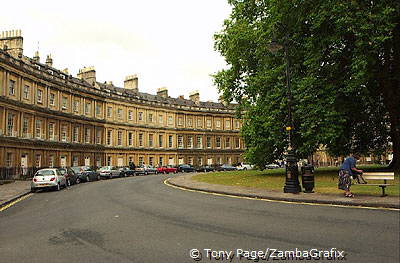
(385,176)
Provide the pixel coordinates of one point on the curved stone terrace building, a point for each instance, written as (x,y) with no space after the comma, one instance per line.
(49,118)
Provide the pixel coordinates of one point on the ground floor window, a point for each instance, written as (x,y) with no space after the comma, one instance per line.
(38,160)
(109,160)
(140,161)
(98,161)
(75,161)
(63,161)
(9,161)
(51,161)
(120,161)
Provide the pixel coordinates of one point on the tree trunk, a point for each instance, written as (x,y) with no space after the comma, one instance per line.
(392,97)
(395,134)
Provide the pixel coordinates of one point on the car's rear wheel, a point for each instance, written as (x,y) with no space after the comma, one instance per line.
(58,187)
(33,190)
(98,177)
(78,180)
(87,178)
(68,183)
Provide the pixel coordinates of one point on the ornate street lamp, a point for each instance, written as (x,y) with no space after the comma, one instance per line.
(292,184)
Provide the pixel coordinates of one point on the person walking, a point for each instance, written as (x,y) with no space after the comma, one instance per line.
(347,171)
(132,165)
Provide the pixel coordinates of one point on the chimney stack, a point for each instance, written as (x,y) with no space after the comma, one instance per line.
(195,96)
(14,42)
(131,82)
(36,57)
(49,61)
(88,74)
(181,97)
(162,92)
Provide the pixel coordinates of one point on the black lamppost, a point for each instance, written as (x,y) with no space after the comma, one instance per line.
(292,184)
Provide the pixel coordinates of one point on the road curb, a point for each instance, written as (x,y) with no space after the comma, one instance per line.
(14,199)
(285,199)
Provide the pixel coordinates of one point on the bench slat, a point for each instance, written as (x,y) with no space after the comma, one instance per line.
(377,177)
(375,184)
(380,173)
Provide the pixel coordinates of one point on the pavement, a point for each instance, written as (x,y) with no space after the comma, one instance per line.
(12,191)
(186,182)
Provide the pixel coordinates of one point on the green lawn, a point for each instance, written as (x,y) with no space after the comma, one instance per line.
(325,180)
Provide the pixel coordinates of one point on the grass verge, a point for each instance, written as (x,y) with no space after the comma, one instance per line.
(325,180)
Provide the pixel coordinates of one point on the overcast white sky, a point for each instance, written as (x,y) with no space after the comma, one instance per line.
(166,43)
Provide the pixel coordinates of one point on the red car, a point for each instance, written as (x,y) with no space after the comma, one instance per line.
(167,170)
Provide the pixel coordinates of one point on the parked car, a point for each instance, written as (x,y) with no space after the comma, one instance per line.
(243,166)
(48,178)
(205,168)
(185,168)
(226,167)
(167,169)
(109,172)
(126,171)
(146,169)
(272,166)
(70,176)
(85,174)
(139,170)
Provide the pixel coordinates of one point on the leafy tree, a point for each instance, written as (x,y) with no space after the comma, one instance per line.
(344,60)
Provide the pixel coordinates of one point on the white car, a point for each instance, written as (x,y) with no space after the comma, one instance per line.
(272,166)
(108,171)
(48,178)
(243,166)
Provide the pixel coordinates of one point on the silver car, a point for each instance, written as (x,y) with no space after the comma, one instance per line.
(48,178)
(108,171)
(146,169)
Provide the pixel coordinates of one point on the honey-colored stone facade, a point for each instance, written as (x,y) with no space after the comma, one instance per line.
(49,118)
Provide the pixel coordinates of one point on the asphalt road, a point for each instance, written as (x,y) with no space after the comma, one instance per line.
(140,219)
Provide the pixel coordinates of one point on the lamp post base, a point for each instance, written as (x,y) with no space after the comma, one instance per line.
(292,184)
